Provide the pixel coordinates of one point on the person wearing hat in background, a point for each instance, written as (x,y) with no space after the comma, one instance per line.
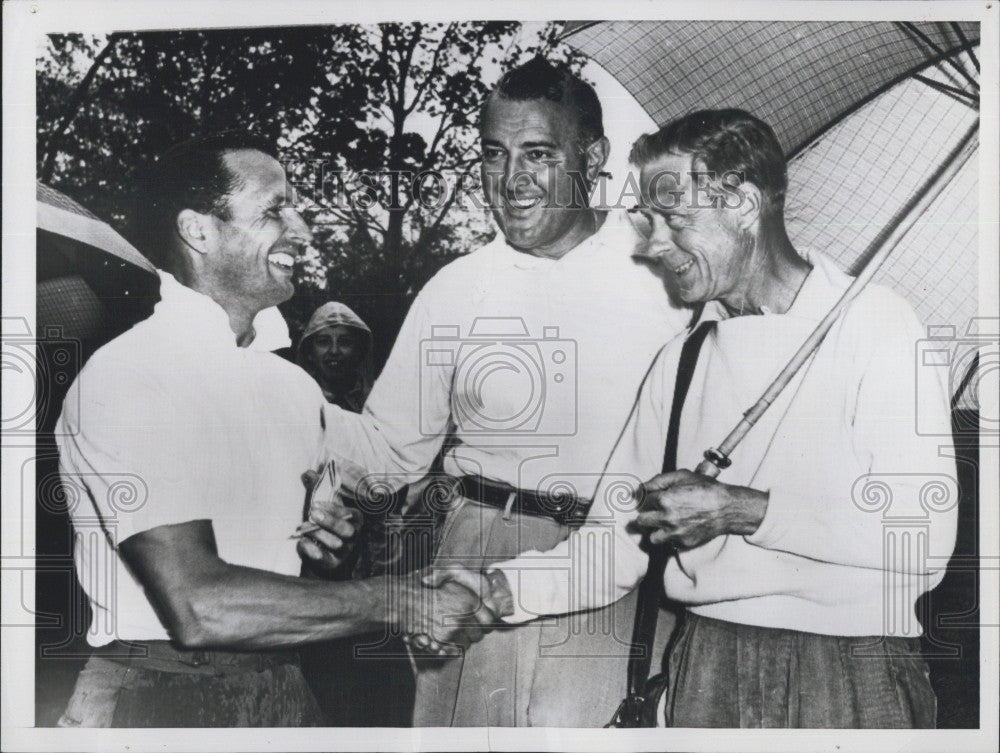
(353,690)
(336,350)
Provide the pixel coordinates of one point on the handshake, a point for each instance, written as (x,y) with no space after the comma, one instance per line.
(439,611)
(450,608)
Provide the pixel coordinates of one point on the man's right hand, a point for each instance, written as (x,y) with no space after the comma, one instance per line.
(441,620)
(493,590)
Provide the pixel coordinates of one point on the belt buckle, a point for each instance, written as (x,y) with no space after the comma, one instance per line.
(198,659)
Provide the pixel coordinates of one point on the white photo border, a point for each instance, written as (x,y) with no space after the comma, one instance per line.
(24,24)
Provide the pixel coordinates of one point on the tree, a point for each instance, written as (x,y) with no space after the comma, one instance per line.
(377,126)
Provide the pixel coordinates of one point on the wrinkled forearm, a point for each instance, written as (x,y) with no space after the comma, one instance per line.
(747,510)
(243,608)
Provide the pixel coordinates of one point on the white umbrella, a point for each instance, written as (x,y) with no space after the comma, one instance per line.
(867,112)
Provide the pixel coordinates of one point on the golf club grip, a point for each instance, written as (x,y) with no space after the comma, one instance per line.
(708,468)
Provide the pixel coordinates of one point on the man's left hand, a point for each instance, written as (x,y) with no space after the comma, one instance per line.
(327,536)
(326,548)
(688,509)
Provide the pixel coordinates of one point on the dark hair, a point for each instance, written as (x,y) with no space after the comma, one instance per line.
(540,79)
(723,140)
(189,175)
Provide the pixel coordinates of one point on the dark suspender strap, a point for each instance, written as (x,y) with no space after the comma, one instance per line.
(647,609)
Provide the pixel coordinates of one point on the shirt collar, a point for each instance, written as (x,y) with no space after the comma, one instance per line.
(612,228)
(202,320)
(822,288)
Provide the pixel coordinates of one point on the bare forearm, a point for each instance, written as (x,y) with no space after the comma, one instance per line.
(239,607)
(206,602)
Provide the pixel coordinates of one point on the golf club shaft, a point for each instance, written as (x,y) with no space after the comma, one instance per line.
(876,253)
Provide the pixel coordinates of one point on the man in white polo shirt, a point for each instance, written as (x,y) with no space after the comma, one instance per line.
(184,440)
(528,352)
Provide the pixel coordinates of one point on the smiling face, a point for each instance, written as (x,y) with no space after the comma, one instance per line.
(256,242)
(533,169)
(704,251)
(336,353)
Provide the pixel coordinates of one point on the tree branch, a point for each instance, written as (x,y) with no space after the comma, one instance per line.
(426,232)
(54,142)
(404,68)
(364,218)
(435,61)
(390,94)
(444,127)
(461,163)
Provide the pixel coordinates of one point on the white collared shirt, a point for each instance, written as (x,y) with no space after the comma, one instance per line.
(173,422)
(533,364)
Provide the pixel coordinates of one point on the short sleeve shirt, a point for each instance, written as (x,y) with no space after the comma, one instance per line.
(173,422)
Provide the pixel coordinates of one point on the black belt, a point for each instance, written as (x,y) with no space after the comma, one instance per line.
(162,656)
(562,507)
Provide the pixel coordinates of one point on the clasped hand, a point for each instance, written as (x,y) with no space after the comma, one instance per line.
(688,509)
(458,609)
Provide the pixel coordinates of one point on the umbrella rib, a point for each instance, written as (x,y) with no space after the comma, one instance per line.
(583,25)
(948,58)
(967,98)
(795,150)
(965,43)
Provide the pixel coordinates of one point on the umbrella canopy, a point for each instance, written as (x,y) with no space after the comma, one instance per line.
(867,111)
(799,77)
(91,282)
(59,214)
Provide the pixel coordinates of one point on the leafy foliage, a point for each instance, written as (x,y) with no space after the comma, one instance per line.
(346,105)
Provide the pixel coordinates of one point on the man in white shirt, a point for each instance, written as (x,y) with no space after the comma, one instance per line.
(801,564)
(528,352)
(182,443)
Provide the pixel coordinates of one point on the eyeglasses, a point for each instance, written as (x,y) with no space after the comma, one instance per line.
(642,220)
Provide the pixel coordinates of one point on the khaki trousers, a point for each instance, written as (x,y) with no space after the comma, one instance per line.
(568,671)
